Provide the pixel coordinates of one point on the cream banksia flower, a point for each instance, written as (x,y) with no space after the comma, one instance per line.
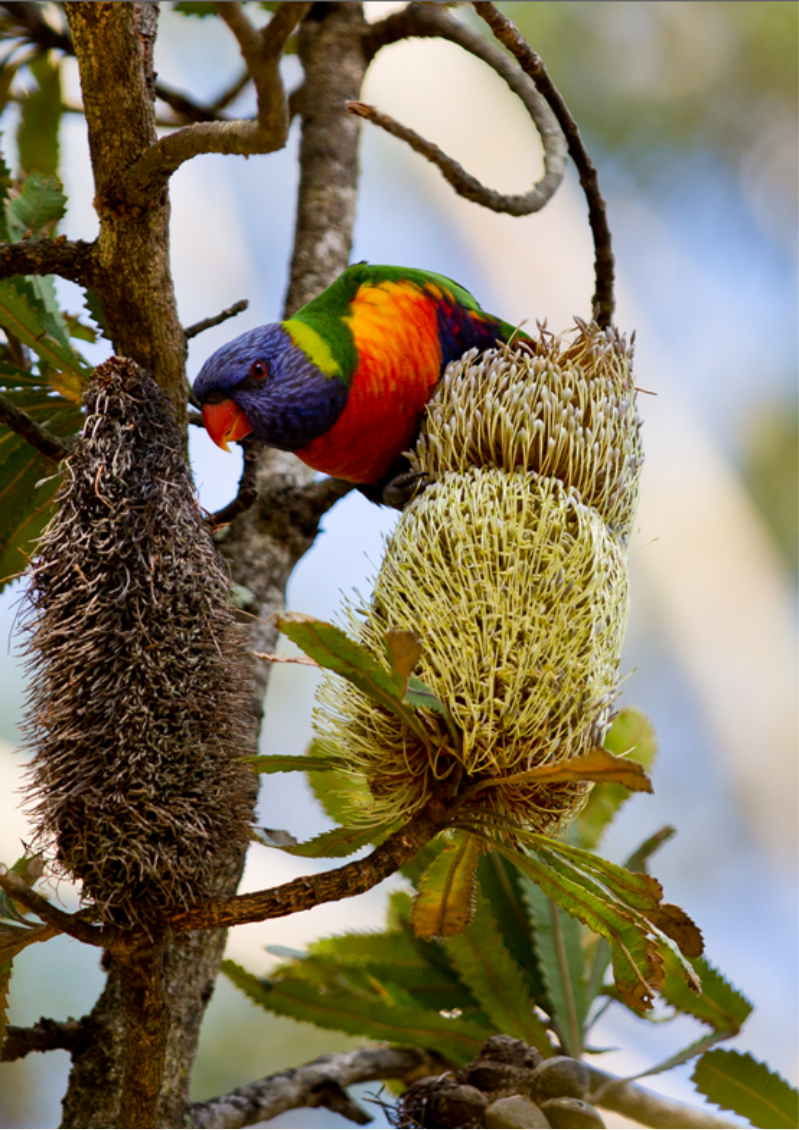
(511,566)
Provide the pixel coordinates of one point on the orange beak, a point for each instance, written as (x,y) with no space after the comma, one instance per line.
(225,422)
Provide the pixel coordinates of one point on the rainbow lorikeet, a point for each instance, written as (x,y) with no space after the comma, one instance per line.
(344,382)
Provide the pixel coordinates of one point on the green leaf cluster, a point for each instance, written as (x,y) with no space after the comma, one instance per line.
(515,940)
(41,372)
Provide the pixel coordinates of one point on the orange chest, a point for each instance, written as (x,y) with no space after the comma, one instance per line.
(399,364)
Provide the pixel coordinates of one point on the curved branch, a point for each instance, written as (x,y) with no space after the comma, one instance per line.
(420,20)
(311,890)
(261,51)
(48,445)
(304,1086)
(509,35)
(70,259)
(71,924)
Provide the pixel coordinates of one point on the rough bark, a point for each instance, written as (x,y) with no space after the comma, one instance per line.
(264,544)
(113,44)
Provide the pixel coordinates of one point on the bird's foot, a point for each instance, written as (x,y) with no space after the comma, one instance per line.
(403,488)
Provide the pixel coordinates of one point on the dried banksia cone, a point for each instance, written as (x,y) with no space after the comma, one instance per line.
(512,569)
(138,707)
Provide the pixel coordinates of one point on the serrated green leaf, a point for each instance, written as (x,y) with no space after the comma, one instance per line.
(333,649)
(501,883)
(92,304)
(631,735)
(444,902)
(78,329)
(718,1004)
(456,1038)
(291,763)
(37,133)
(736,1081)
(338,842)
(561,959)
(633,889)
(17,315)
(38,206)
(484,964)
(394,959)
(637,964)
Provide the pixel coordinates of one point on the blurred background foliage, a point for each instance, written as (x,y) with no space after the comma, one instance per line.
(690,112)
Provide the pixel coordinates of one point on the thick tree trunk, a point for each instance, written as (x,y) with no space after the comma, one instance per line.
(264,544)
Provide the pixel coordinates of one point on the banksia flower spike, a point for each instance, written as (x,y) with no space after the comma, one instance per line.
(511,566)
(138,708)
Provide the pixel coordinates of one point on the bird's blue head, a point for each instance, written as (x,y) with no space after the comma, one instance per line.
(263,384)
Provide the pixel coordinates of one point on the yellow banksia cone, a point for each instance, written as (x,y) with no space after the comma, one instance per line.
(512,568)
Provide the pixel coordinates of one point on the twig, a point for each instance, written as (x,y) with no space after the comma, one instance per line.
(431,21)
(195,418)
(651,1109)
(217,319)
(24,425)
(71,924)
(46,1036)
(509,35)
(311,890)
(247,493)
(301,1086)
(145,178)
(186,107)
(70,259)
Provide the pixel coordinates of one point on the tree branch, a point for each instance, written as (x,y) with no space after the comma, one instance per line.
(73,260)
(247,493)
(71,924)
(48,445)
(509,35)
(304,1086)
(311,890)
(420,20)
(185,107)
(145,179)
(217,319)
(141,975)
(46,1036)
(649,1108)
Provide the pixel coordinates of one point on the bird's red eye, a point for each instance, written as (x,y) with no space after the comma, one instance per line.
(258,370)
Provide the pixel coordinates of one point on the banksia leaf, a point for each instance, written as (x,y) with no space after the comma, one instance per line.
(138,708)
(718,1004)
(361,1014)
(559,947)
(497,983)
(444,903)
(737,1082)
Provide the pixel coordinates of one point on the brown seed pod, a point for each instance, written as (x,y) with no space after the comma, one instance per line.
(512,569)
(138,708)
